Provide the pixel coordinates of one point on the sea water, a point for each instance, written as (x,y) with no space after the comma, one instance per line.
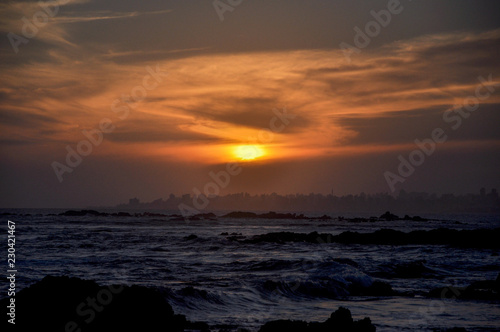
(205,273)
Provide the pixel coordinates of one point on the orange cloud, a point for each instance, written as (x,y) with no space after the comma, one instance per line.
(209,103)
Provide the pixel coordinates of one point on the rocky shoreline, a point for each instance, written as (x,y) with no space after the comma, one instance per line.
(387,216)
(72,304)
(75,305)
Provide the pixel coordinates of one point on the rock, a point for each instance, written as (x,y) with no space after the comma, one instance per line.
(72,304)
(207,216)
(340,320)
(285,325)
(72,213)
(239,214)
(121,214)
(389,216)
(268,215)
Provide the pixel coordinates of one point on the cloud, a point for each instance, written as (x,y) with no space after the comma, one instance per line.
(155,129)
(55,34)
(76,17)
(20,118)
(403,127)
(208,100)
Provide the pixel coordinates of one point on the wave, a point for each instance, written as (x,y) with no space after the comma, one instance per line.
(407,270)
(277,264)
(193,298)
(326,288)
(327,279)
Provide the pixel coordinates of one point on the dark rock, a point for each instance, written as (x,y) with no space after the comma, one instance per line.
(226,328)
(389,216)
(150,214)
(285,325)
(69,304)
(236,237)
(122,214)
(269,215)
(274,215)
(73,213)
(239,214)
(207,216)
(197,326)
(340,320)
(190,237)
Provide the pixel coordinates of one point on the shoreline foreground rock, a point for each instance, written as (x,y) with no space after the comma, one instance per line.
(76,305)
(340,320)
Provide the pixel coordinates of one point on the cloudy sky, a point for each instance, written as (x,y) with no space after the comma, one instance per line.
(101,101)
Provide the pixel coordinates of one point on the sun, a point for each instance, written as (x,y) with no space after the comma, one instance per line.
(248,152)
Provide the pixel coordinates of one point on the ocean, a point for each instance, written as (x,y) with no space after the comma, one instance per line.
(214,270)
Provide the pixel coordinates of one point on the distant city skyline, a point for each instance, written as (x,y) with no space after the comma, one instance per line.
(187,205)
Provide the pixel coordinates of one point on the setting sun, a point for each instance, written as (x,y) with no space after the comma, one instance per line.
(248,152)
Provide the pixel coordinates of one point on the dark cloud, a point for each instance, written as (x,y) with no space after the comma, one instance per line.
(15,117)
(166,135)
(463,51)
(403,127)
(254,113)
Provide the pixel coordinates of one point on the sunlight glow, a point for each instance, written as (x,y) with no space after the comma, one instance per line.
(248,152)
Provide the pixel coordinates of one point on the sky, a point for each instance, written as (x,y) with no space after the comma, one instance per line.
(102,101)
